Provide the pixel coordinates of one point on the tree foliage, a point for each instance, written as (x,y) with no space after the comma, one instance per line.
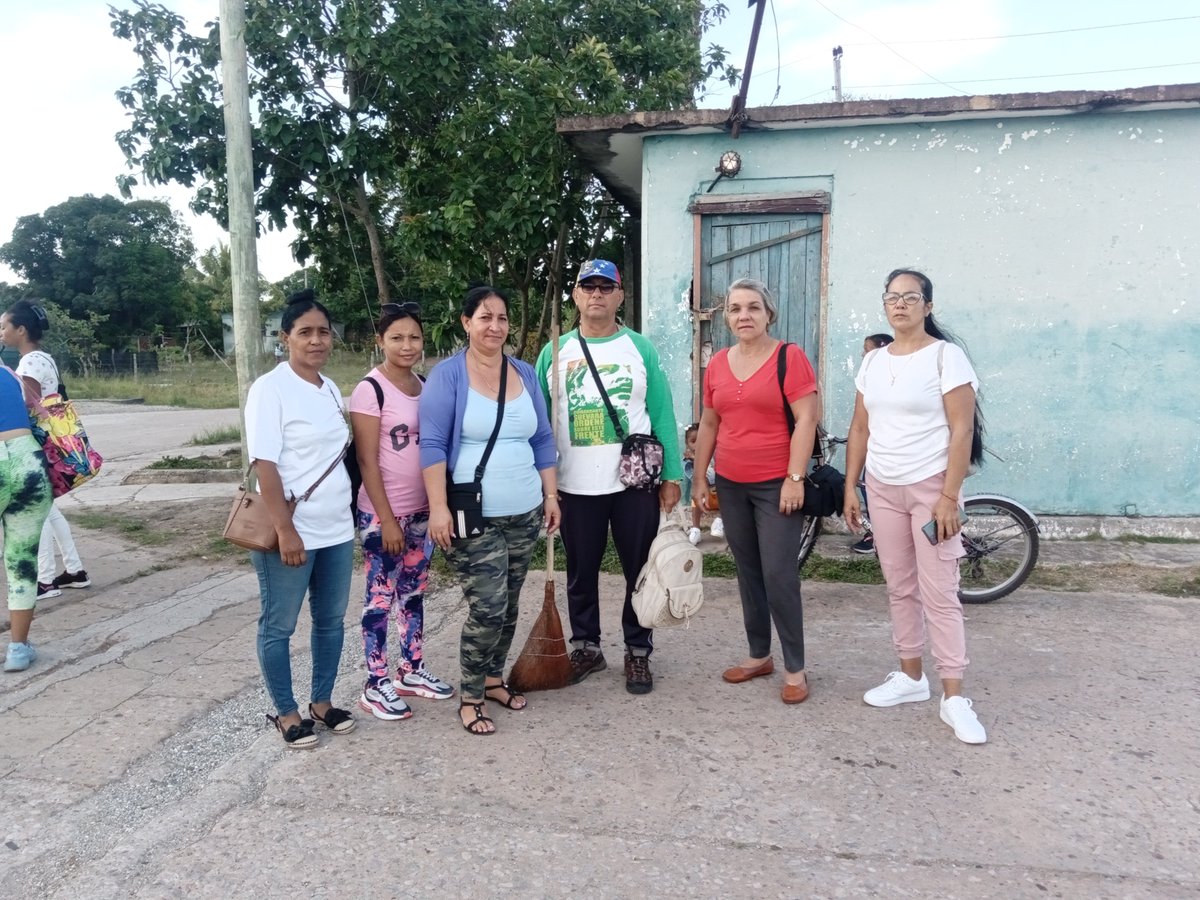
(120,266)
(414,139)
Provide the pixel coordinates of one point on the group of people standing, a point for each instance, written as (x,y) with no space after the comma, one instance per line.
(33,525)
(484,417)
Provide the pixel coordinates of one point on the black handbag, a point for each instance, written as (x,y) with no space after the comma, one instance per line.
(642,455)
(824,486)
(466,499)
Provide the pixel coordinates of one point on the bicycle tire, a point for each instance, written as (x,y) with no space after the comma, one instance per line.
(808,539)
(1001,539)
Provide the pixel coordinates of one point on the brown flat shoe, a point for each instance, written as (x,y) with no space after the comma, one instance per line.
(794,693)
(738,674)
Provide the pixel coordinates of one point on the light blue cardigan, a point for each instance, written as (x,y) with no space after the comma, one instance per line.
(444,402)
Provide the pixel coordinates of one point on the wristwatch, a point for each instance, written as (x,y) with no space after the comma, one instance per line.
(795,477)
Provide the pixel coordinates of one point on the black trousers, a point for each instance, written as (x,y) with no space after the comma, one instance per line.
(633,516)
(765,544)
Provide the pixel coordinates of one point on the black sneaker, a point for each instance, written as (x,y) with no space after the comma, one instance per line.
(73,580)
(866,545)
(585,661)
(638,679)
(46,591)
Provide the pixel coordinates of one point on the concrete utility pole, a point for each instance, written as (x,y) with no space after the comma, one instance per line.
(243,254)
(837,74)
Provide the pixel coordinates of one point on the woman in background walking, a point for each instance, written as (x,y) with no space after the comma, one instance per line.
(22,328)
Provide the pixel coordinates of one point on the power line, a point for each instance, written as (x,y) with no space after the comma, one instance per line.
(891,49)
(1000,37)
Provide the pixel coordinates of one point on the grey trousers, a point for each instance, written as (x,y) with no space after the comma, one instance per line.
(765,544)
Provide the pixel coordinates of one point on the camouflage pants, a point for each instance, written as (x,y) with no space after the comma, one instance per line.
(491,569)
(24,502)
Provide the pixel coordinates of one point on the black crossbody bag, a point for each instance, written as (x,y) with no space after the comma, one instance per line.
(466,500)
(824,485)
(641,454)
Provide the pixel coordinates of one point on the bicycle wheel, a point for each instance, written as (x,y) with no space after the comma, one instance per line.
(1001,540)
(812,530)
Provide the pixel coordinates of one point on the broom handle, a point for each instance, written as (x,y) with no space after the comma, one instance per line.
(555,327)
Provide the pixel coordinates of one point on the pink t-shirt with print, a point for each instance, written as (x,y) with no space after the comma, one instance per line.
(399,453)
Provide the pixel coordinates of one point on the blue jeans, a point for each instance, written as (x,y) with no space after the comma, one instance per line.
(326,578)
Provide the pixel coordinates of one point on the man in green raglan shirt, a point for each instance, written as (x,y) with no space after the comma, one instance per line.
(591,495)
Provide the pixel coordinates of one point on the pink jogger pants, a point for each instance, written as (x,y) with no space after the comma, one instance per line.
(922,580)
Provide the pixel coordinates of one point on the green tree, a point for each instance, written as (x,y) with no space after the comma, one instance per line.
(123,262)
(415,139)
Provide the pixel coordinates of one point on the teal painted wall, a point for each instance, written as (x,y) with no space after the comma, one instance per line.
(1064,252)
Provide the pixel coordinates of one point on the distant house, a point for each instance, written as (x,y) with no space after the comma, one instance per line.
(270,335)
(1061,231)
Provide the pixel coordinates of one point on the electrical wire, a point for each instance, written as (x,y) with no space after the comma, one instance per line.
(891,49)
(1001,37)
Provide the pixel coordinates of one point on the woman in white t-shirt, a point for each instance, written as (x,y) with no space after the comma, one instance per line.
(393,517)
(22,328)
(296,432)
(915,427)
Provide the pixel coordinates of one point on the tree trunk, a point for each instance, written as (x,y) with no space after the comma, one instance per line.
(367,217)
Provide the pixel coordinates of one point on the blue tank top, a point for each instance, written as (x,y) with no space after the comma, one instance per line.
(12,402)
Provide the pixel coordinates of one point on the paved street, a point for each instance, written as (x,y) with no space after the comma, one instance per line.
(136,761)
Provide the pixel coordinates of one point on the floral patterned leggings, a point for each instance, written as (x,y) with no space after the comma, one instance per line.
(396,585)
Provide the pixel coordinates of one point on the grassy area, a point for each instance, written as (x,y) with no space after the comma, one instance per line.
(230,459)
(203,383)
(217,436)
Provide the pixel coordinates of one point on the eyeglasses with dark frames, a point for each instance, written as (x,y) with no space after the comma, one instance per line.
(912,298)
(604,287)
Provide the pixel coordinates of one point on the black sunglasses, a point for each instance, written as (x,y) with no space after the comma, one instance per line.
(401,309)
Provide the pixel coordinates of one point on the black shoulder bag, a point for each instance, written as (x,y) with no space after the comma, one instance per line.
(824,486)
(641,454)
(466,500)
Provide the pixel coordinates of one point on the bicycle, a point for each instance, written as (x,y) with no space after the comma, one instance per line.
(1000,537)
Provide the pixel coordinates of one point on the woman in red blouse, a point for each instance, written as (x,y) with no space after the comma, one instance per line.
(760,476)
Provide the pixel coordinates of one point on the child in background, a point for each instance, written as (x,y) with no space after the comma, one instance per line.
(689,455)
(867,544)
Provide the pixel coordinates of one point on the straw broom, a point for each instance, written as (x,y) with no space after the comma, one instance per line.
(543,664)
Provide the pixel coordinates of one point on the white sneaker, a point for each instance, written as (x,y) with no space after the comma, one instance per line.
(694,535)
(958,714)
(383,702)
(718,528)
(897,688)
(423,683)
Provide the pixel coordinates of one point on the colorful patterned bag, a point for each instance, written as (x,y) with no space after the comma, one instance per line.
(70,459)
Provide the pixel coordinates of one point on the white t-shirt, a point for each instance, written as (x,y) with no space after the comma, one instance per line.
(910,435)
(39,365)
(302,429)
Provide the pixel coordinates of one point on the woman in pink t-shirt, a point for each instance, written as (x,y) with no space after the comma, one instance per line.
(760,476)
(393,517)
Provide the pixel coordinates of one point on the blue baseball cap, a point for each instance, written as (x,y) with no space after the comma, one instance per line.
(599,268)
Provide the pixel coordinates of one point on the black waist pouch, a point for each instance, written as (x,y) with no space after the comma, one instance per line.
(466,508)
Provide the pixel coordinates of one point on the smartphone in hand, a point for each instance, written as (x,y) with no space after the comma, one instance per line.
(930,529)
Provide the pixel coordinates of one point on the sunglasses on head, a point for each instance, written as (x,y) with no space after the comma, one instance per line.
(400,309)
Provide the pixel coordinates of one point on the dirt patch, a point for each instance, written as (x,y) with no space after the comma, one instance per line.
(184,531)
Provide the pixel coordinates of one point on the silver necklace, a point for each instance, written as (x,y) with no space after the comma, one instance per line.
(903,368)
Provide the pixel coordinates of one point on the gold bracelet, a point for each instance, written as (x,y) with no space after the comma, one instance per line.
(948,497)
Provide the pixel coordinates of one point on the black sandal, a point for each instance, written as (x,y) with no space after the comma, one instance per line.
(296,737)
(512,696)
(469,727)
(339,721)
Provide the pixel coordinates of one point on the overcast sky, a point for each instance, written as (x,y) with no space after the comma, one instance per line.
(60,66)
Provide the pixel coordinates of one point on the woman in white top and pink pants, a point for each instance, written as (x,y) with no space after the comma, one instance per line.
(914,427)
